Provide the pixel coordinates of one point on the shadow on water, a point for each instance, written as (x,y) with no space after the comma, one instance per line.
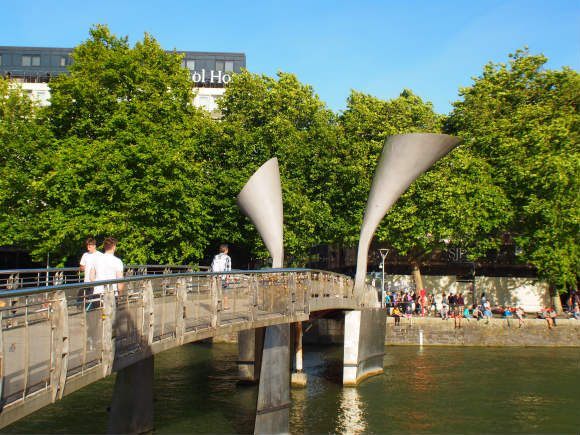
(204,397)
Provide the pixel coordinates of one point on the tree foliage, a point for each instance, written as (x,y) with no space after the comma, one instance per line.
(24,139)
(523,120)
(125,160)
(455,202)
(265,117)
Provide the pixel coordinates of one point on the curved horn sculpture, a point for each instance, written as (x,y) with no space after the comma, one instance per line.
(261,201)
(403,159)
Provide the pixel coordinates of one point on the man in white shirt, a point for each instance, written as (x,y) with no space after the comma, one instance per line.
(89,257)
(107,266)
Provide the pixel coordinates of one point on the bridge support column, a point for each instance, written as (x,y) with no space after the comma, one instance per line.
(250,346)
(273,410)
(299,378)
(132,404)
(364,344)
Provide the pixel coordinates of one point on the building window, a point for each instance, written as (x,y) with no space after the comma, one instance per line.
(62,61)
(224,65)
(30,60)
(190,64)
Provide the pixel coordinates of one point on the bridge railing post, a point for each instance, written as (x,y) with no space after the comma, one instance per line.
(60,343)
(148,313)
(308,292)
(333,278)
(292,293)
(215,300)
(108,321)
(303,285)
(253,283)
(181,295)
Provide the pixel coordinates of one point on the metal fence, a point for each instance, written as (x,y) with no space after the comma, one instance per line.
(29,278)
(57,339)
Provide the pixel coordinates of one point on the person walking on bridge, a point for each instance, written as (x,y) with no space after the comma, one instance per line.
(88,259)
(222,263)
(87,265)
(108,267)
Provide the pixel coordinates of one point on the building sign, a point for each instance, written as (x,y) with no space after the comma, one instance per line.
(217,77)
(457,255)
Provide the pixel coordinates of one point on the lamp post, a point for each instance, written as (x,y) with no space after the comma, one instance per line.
(384,253)
(473,283)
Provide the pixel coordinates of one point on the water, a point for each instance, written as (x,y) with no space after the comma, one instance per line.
(424,390)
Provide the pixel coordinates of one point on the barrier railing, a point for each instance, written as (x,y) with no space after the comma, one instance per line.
(56,339)
(28,278)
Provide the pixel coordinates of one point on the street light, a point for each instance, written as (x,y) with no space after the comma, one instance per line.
(384,252)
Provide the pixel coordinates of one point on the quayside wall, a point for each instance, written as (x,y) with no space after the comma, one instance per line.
(433,331)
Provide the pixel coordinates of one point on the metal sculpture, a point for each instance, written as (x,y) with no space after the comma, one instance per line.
(261,200)
(403,159)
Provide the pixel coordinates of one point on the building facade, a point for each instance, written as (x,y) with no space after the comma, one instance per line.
(33,67)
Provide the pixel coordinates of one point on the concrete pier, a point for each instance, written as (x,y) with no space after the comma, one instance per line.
(273,410)
(132,404)
(364,349)
(298,378)
(250,346)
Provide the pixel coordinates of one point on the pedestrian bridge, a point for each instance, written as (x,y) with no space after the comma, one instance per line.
(59,338)
(55,340)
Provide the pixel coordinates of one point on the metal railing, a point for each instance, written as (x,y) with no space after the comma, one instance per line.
(29,278)
(56,339)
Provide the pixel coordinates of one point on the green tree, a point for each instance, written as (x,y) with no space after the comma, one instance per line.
(126,161)
(454,203)
(523,119)
(266,117)
(23,139)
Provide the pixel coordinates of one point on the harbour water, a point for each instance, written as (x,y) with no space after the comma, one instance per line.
(423,390)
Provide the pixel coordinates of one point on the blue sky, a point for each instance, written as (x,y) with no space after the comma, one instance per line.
(377,47)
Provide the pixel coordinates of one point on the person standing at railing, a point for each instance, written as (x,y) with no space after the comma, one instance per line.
(108,267)
(88,259)
(223,263)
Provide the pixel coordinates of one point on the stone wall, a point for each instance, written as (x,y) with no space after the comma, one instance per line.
(437,332)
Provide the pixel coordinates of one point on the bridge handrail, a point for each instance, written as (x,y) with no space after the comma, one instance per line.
(76,269)
(11,279)
(29,291)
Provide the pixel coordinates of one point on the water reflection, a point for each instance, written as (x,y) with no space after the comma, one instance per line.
(421,379)
(299,399)
(351,413)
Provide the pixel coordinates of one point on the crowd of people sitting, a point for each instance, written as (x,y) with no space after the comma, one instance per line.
(453,306)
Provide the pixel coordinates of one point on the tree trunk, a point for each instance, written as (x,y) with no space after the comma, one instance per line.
(417,276)
(555,299)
